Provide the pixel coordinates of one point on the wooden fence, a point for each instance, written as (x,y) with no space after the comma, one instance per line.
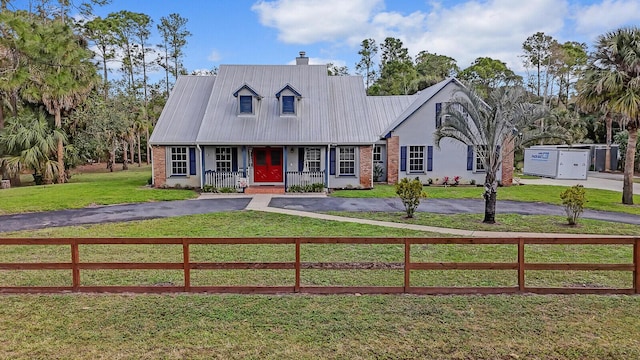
(186,266)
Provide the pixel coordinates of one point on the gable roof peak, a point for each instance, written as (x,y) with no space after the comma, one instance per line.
(247,87)
(290,88)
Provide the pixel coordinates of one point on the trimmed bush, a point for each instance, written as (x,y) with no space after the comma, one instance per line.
(573,200)
(410,192)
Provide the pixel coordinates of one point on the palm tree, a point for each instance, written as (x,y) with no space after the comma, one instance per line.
(30,143)
(502,121)
(614,73)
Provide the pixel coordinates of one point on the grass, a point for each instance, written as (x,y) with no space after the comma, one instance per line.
(302,326)
(86,190)
(505,222)
(604,200)
(310,327)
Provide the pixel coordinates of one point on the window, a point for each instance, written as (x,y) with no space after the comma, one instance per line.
(347,161)
(481,153)
(246,104)
(288,105)
(178,161)
(223,159)
(416,159)
(377,153)
(312,159)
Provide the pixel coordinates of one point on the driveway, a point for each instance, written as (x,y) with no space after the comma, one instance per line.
(595,180)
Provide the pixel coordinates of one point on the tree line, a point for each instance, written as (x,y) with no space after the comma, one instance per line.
(73,90)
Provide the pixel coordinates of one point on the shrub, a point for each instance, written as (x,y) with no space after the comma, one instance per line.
(410,192)
(377,173)
(573,200)
(150,180)
(227,190)
(208,188)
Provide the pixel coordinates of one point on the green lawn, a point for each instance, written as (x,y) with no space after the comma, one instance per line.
(304,326)
(88,189)
(505,222)
(597,199)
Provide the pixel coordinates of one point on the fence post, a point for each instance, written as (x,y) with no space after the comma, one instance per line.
(75,260)
(521,265)
(636,262)
(186,265)
(407,265)
(296,287)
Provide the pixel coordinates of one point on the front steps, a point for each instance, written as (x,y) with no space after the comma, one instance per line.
(265,189)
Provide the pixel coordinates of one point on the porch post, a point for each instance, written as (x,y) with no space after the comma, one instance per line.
(244,162)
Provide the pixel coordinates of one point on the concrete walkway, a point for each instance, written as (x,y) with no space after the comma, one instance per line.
(595,180)
(261,203)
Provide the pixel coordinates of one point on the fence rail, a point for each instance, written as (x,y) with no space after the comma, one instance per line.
(186,265)
(224,179)
(304,178)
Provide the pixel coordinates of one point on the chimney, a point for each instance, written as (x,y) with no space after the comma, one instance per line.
(302,59)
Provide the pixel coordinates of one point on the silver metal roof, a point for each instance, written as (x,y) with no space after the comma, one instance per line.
(181,117)
(331,110)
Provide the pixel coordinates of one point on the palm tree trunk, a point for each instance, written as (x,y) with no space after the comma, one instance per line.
(629,163)
(125,158)
(139,149)
(608,120)
(490,198)
(146,137)
(62,176)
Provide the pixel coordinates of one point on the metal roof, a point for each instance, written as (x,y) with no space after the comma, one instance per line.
(331,109)
(181,117)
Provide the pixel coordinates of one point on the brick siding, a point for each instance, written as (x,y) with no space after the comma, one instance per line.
(159,156)
(366,167)
(507,162)
(393,159)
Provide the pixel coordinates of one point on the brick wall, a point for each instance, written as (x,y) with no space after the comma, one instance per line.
(366,167)
(159,156)
(507,162)
(393,159)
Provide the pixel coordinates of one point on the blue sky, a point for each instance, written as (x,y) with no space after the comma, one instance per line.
(274,31)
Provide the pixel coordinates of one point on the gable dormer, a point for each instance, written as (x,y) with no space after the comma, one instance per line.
(247,100)
(288,100)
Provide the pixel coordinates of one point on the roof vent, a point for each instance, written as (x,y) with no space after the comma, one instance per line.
(302,59)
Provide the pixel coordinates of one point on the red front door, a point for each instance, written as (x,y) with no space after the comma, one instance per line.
(267,165)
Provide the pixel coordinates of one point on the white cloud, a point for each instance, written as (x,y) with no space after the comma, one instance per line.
(310,21)
(608,15)
(214,56)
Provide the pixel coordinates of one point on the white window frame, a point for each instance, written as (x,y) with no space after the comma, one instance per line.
(416,159)
(224,159)
(478,164)
(312,163)
(179,160)
(377,153)
(346,156)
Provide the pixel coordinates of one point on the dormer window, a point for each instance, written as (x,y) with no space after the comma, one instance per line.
(246,100)
(246,104)
(287,100)
(288,105)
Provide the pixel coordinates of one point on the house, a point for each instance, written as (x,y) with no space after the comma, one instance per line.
(266,127)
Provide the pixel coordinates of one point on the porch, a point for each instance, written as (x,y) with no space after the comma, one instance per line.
(294,181)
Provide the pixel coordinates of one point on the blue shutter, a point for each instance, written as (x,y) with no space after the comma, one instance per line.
(469,157)
(403,158)
(332,161)
(234,159)
(301,159)
(429,158)
(438,111)
(192,161)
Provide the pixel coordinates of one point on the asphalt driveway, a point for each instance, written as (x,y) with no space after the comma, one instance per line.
(142,211)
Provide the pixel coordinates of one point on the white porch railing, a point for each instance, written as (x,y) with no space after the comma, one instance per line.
(304,178)
(225,179)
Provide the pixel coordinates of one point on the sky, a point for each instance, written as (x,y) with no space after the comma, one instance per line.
(275,31)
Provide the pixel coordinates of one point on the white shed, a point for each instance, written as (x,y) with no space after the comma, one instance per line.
(557,163)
